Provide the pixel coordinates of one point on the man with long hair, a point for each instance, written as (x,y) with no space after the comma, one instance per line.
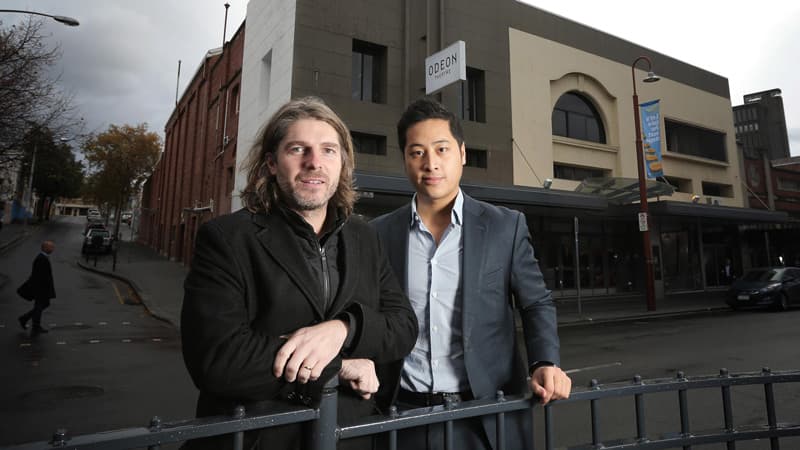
(293,289)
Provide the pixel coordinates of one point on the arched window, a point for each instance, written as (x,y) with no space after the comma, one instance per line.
(575,117)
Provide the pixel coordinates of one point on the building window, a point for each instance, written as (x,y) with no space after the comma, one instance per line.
(717,190)
(575,117)
(472,97)
(476,158)
(236,100)
(369,144)
(786,184)
(695,141)
(680,184)
(565,172)
(369,72)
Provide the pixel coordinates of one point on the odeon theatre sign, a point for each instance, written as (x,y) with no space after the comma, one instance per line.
(445,67)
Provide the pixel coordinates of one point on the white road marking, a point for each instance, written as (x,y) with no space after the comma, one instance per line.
(156,339)
(78,324)
(598,366)
(25,344)
(126,323)
(102,323)
(94,341)
(61,343)
(127,341)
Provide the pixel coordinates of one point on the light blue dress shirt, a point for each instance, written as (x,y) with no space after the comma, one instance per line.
(433,285)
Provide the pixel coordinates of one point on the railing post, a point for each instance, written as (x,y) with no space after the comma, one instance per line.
(641,433)
(548,427)
(595,386)
(501,424)
(155,425)
(448,426)
(59,438)
(238,437)
(772,419)
(393,434)
(683,404)
(323,430)
(727,409)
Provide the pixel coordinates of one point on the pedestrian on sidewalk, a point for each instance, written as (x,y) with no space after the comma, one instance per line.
(42,288)
(294,289)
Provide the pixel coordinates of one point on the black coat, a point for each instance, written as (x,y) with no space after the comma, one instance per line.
(248,285)
(41,279)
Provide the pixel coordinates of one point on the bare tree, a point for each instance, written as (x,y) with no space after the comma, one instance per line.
(30,95)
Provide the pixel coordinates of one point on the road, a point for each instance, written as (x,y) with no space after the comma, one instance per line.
(697,345)
(105,364)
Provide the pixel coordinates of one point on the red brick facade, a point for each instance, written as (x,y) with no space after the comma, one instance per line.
(194,179)
(783,177)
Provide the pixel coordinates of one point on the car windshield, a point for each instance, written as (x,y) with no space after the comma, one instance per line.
(103,233)
(763,275)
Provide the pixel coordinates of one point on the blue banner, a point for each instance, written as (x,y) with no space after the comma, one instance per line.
(651,138)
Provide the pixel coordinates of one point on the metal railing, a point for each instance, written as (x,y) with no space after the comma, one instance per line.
(325,432)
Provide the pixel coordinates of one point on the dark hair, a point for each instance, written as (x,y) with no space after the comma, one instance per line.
(261,191)
(423,109)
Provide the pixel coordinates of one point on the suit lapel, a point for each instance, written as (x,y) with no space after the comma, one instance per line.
(281,244)
(474,243)
(398,244)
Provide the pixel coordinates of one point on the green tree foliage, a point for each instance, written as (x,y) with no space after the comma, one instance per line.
(120,159)
(56,172)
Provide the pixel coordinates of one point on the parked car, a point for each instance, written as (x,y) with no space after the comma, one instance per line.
(126,217)
(93,226)
(777,287)
(97,241)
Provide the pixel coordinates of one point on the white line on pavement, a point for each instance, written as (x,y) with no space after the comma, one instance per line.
(598,366)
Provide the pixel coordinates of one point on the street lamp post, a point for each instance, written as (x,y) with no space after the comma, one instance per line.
(63,19)
(643,209)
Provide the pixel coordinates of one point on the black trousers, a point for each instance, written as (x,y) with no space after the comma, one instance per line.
(35,315)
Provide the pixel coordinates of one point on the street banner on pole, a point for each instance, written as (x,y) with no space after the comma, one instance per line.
(651,138)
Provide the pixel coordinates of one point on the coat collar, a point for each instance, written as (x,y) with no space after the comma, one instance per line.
(278,239)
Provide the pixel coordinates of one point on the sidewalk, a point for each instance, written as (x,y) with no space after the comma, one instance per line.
(157,281)
(11,234)
(159,284)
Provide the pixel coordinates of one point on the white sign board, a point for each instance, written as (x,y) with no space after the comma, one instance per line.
(642,221)
(446,67)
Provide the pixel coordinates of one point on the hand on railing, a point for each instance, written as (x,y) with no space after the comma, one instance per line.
(360,375)
(550,383)
(307,351)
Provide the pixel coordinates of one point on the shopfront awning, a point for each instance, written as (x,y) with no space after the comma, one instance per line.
(621,191)
(370,184)
(727,213)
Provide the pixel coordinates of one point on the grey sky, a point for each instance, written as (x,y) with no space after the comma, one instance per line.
(121,62)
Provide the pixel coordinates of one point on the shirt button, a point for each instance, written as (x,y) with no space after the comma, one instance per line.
(434,294)
(435,329)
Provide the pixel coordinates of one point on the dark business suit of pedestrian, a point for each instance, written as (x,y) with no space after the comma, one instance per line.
(249,285)
(41,282)
(499,272)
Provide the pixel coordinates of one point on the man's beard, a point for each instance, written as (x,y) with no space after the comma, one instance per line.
(299,202)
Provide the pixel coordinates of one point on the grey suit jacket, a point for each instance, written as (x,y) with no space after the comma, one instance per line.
(500,273)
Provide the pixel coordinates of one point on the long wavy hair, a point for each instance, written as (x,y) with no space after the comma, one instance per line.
(262,192)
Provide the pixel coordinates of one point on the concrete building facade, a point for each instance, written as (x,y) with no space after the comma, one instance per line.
(545,98)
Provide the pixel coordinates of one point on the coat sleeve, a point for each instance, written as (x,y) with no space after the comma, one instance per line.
(534,300)
(224,355)
(387,332)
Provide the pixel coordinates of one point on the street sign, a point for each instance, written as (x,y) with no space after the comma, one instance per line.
(642,221)
(445,67)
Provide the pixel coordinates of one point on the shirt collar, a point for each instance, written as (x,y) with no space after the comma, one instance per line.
(455,214)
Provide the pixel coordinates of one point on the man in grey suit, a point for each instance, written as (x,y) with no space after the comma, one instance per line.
(465,265)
